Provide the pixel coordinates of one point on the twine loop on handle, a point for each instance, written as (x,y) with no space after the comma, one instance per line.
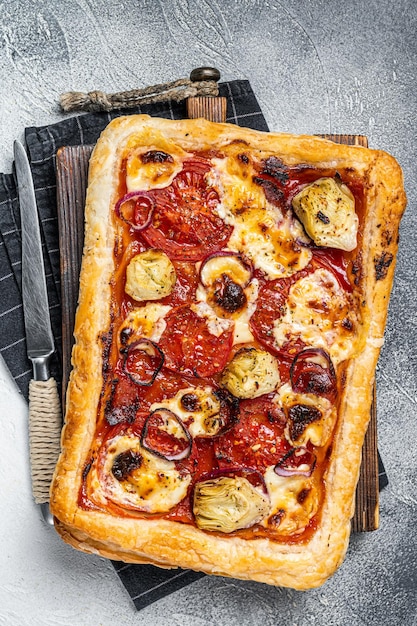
(202,82)
(45,425)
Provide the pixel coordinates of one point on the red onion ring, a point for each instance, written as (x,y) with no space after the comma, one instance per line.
(291,462)
(308,376)
(133,219)
(157,439)
(151,350)
(246,264)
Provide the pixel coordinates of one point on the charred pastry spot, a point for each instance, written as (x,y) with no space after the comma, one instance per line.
(270,417)
(301,497)
(273,194)
(125,463)
(191,402)
(357,270)
(106,340)
(228,294)
(229,406)
(156,156)
(319,305)
(301,415)
(119,410)
(323,218)
(386,236)
(347,171)
(329,452)
(87,468)
(382,263)
(243,158)
(114,384)
(276,518)
(123,413)
(118,246)
(276,416)
(124,335)
(276,168)
(347,324)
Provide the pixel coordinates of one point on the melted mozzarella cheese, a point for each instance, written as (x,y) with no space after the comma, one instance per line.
(216,325)
(228,264)
(319,431)
(204,420)
(155,486)
(294,501)
(261,231)
(142,173)
(147,321)
(314,312)
(241,332)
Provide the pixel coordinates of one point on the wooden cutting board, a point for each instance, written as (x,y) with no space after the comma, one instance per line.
(72,173)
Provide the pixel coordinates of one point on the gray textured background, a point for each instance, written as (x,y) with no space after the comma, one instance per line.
(315,66)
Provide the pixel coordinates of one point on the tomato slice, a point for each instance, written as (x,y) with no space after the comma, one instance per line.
(257,440)
(184,223)
(336,262)
(312,371)
(190,348)
(166,436)
(166,385)
(273,296)
(186,285)
(123,401)
(270,307)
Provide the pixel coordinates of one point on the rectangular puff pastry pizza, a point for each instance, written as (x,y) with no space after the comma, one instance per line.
(233,296)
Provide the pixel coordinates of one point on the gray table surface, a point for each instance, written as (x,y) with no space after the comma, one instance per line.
(316,66)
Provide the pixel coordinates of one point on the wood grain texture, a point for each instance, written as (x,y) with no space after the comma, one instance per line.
(209,107)
(71,180)
(366,516)
(72,171)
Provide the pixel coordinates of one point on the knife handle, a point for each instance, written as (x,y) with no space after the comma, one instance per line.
(44,435)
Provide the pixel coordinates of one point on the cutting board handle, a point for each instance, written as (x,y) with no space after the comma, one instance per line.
(212,108)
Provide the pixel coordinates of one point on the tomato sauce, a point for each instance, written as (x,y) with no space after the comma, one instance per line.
(187,228)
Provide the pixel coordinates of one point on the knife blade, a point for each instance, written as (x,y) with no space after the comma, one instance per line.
(44,405)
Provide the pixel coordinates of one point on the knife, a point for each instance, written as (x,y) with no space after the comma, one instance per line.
(44,406)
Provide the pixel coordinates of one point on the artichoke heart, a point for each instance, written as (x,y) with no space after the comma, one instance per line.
(326,209)
(150,275)
(251,373)
(228,503)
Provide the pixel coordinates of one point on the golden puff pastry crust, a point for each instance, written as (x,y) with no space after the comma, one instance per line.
(89,514)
